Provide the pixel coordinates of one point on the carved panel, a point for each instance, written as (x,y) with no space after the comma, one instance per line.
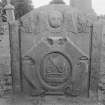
(56,69)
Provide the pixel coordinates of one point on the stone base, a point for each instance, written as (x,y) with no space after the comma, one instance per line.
(47,100)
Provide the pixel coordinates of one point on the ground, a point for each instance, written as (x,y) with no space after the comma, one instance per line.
(46,100)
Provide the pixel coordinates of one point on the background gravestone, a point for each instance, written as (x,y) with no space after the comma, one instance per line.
(5,59)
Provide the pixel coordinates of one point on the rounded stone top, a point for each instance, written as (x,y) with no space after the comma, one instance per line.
(57,2)
(55,17)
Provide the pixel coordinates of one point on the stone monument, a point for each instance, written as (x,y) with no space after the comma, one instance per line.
(56,50)
(53,52)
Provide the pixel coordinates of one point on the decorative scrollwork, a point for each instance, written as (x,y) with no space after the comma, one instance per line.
(29,60)
(56,41)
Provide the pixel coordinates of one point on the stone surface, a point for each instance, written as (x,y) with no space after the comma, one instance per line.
(50,100)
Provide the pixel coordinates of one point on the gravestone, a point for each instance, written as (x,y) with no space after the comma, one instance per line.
(5,59)
(55,51)
(5,49)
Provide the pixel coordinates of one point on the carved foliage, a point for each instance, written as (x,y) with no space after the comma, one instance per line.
(82,24)
(30,23)
(26,26)
(70,22)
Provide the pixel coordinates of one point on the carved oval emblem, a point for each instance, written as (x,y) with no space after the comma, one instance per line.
(55,19)
(56,69)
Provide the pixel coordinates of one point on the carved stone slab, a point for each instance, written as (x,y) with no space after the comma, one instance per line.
(56,29)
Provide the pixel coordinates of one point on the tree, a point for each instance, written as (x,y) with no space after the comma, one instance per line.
(21,7)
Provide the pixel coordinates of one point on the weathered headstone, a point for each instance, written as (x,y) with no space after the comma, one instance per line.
(50,52)
(51,48)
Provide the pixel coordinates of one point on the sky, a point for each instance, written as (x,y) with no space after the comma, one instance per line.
(98,5)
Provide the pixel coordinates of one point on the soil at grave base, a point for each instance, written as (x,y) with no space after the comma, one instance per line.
(47,100)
